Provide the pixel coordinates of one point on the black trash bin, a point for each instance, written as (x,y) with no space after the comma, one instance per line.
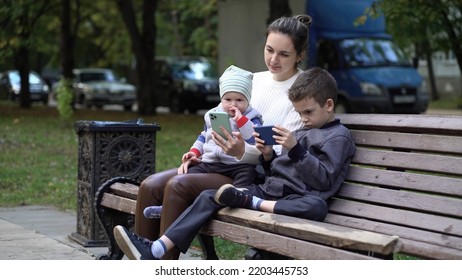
(107,150)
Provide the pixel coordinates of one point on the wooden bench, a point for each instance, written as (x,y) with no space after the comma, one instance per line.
(403,194)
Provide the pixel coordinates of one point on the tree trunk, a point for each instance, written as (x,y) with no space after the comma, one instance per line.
(22,64)
(177,41)
(21,59)
(143,46)
(435,95)
(67,41)
(426,49)
(454,41)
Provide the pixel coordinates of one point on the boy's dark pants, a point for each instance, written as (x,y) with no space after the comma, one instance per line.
(187,226)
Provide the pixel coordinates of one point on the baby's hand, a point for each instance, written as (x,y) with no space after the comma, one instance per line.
(236,112)
(187,156)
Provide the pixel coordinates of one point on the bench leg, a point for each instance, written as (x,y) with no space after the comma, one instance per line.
(208,247)
(110,218)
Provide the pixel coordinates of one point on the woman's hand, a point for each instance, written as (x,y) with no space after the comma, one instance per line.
(188,159)
(187,156)
(233,145)
(183,169)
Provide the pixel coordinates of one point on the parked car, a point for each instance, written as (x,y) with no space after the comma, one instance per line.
(186,83)
(100,86)
(10,86)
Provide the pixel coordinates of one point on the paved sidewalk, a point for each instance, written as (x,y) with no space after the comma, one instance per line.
(42,233)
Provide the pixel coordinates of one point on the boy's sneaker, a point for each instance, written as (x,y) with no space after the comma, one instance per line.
(233,197)
(134,247)
(152,212)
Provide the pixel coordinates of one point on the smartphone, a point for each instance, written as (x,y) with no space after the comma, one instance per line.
(218,119)
(266,133)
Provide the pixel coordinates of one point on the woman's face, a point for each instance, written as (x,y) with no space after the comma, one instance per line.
(280,56)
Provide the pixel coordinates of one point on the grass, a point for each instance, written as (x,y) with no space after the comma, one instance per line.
(450,103)
(39,152)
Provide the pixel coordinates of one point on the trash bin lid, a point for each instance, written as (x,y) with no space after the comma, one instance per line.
(136,125)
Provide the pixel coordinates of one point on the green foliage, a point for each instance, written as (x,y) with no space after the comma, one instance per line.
(64,97)
(102,41)
(22,25)
(414,21)
(188,27)
(101,38)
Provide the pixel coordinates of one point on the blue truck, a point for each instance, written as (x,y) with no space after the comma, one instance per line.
(372,72)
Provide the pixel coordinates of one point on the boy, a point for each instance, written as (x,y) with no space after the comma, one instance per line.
(310,169)
(205,156)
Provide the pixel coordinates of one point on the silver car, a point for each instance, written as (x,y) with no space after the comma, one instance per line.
(100,86)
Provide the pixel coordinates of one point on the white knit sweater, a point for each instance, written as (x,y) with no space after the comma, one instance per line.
(269,97)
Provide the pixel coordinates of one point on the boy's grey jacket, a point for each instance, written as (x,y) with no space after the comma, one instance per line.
(317,165)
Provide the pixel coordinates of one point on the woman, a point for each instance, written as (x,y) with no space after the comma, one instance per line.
(285,47)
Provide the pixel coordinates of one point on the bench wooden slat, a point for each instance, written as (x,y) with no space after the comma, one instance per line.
(318,232)
(406,180)
(416,242)
(403,199)
(422,235)
(450,125)
(119,203)
(284,245)
(413,161)
(426,250)
(412,141)
(125,189)
(442,225)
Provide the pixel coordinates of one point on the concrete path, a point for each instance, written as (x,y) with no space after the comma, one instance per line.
(42,233)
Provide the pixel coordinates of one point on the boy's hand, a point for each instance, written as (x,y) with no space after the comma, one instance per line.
(285,138)
(266,150)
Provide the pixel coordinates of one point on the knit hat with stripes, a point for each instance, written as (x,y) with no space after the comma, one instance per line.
(237,80)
